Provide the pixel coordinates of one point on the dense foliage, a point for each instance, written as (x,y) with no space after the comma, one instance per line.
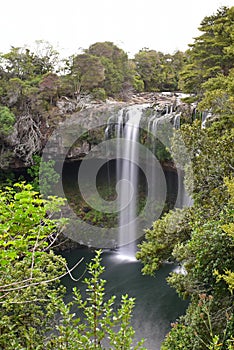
(158,71)
(211,54)
(201,238)
(102,326)
(32,312)
(30,270)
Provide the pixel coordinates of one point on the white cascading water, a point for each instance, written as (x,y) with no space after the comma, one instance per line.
(176,122)
(183,198)
(127,174)
(205,116)
(126,131)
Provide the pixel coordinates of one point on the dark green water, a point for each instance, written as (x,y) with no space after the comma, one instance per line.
(157,305)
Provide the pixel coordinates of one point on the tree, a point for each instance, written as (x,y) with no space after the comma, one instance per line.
(45,58)
(101,327)
(218,95)
(89,71)
(7,120)
(24,64)
(33,314)
(209,321)
(160,72)
(48,87)
(109,50)
(136,80)
(114,78)
(178,61)
(24,76)
(148,66)
(29,89)
(201,240)
(30,270)
(211,53)
(43,175)
(118,73)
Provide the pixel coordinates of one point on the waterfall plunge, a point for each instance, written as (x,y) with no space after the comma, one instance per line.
(130,157)
(125,127)
(127,175)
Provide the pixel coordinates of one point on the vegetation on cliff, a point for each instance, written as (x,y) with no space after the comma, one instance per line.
(201,238)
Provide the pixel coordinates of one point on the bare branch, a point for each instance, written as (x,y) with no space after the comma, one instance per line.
(33,252)
(4,288)
(29,137)
(26,301)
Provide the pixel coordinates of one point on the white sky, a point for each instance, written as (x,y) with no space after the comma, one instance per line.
(162,25)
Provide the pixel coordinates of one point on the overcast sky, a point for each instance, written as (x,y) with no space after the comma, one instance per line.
(163,25)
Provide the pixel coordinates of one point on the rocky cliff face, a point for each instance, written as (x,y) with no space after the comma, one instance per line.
(75,133)
(78,134)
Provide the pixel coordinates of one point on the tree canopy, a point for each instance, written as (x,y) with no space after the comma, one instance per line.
(211,53)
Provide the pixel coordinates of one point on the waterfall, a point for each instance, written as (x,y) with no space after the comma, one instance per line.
(107,154)
(130,156)
(135,137)
(125,127)
(205,116)
(176,122)
(183,198)
(127,174)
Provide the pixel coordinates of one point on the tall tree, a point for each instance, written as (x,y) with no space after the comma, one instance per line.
(211,53)
(118,73)
(88,70)
(159,72)
(148,65)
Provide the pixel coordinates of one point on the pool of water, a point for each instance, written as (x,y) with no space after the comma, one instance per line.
(157,305)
